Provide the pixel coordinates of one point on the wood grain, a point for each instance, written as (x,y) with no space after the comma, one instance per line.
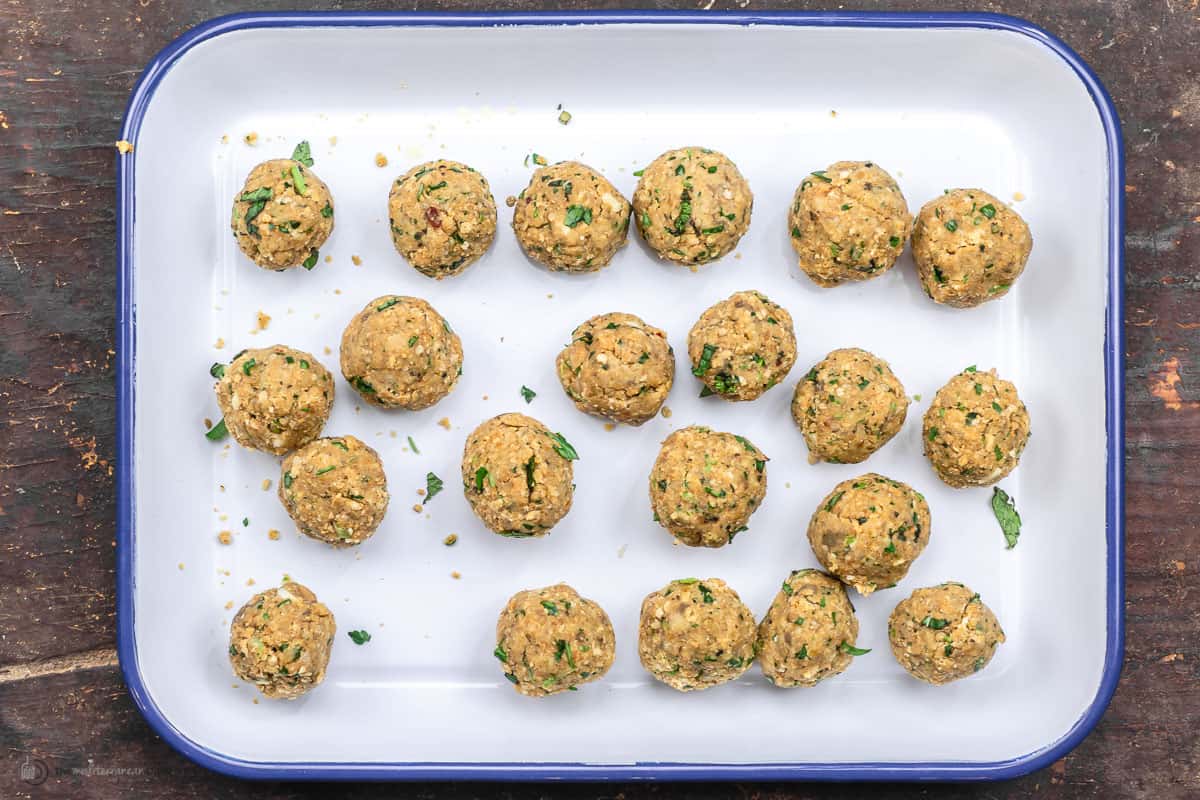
(65,74)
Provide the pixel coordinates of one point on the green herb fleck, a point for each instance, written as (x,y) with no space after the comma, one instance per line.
(217,370)
(248,365)
(217,432)
(705,362)
(576,215)
(551,607)
(850,649)
(563,447)
(833,501)
(500,653)
(480,475)
(821,176)
(359,637)
(303,154)
(1005,510)
(935,623)
(988,210)
(433,485)
(528,394)
(311,261)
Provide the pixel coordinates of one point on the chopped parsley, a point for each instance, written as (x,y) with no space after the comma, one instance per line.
(433,485)
(298,180)
(303,154)
(217,432)
(528,394)
(551,607)
(988,210)
(576,215)
(311,261)
(563,447)
(413,446)
(217,370)
(833,501)
(481,475)
(850,649)
(705,362)
(935,623)
(359,637)
(248,365)
(821,176)
(1005,510)
(386,304)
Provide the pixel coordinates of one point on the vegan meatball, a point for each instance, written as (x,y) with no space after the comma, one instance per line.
(517,475)
(705,484)
(274,399)
(692,205)
(809,632)
(848,406)
(552,640)
(943,633)
(570,218)
(742,346)
(969,247)
(617,367)
(398,352)
(335,490)
(869,530)
(443,217)
(695,634)
(280,641)
(848,223)
(975,429)
(282,215)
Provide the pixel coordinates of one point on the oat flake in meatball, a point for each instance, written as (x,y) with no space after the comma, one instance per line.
(809,632)
(570,218)
(742,346)
(869,530)
(552,640)
(282,215)
(943,633)
(442,216)
(280,641)
(692,205)
(848,406)
(517,475)
(705,484)
(398,352)
(969,247)
(335,490)
(975,429)
(617,367)
(274,399)
(848,222)
(695,634)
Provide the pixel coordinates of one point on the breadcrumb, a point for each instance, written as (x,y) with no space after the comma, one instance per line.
(380,160)
(124,147)
(251,138)
(418,508)
(225,537)
(263,320)
(266,484)
(666,412)
(357,261)
(456,574)
(444,422)
(273,535)
(450,540)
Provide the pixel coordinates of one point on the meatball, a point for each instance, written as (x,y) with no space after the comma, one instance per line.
(335,490)
(695,634)
(617,367)
(969,247)
(705,484)
(274,399)
(443,217)
(848,223)
(742,346)
(869,530)
(809,632)
(280,641)
(692,205)
(848,406)
(570,218)
(552,640)
(398,352)
(282,215)
(975,429)
(943,633)
(517,475)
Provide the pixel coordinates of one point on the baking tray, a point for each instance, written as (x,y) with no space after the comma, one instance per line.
(939,99)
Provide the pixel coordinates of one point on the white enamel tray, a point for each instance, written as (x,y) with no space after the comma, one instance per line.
(939,101)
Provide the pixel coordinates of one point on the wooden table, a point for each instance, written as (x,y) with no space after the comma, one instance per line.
(64,78)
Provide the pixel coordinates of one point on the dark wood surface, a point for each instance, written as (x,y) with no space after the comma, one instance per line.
(65,72)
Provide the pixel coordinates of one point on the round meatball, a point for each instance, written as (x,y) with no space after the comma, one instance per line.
(869,530)
(335,490)
(282,215)
(975,429)
(570,218)
(692,205)
(398,352)
(969,247)
(695,634)
(552,640)
(705,484)
(443,217)
(742,346)
(848,406)
(617,367)
(809,631)
(280,641)
(517,475)
(274,399)
(943,633)
(848,223)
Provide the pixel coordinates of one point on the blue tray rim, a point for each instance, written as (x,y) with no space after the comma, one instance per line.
(1114,339)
